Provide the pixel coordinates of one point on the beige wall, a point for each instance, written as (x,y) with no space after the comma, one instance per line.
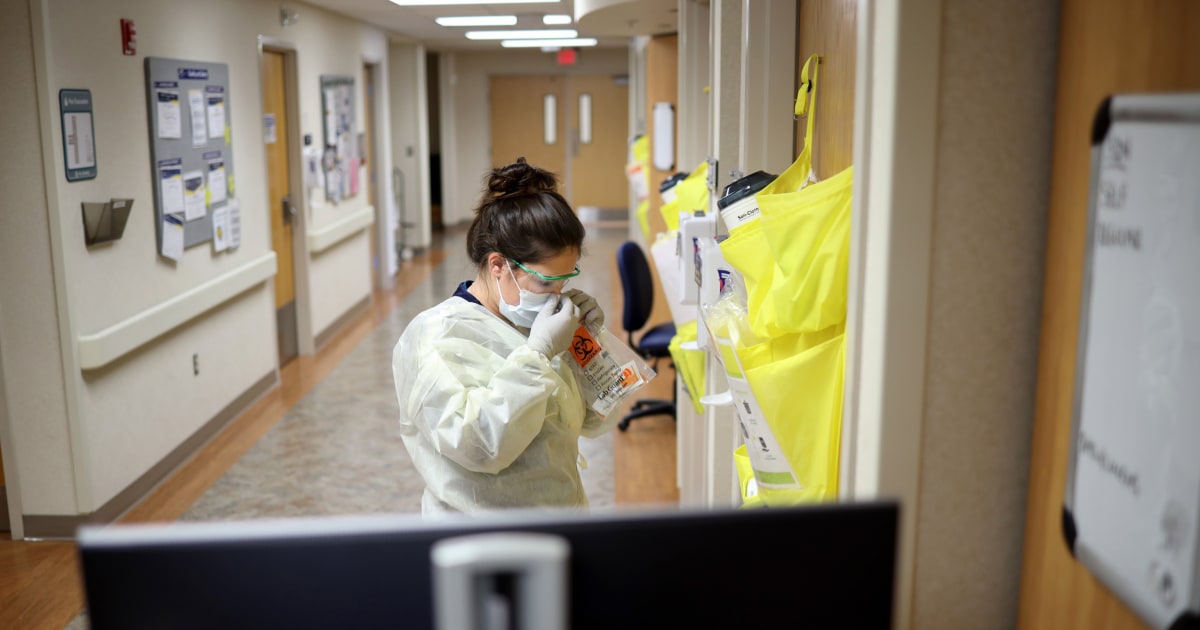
(465,148)
(30,346)
(993,144)
(326,44)
(410,136)
(74,438)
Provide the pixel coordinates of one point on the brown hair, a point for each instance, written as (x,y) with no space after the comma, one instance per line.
(522,216)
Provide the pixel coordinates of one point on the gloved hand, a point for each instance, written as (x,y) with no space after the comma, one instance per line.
(552,331)
(589,308)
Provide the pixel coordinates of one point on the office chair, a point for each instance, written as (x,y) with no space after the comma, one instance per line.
(638,286)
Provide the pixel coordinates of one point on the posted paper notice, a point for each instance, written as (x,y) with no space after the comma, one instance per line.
(193,195)
(331,120)
(216,115)
(172,237)
(235,223)
(81,152)
(199,126)
(268,128)
(169,115)
(171,181)
(216,182)
(220,222)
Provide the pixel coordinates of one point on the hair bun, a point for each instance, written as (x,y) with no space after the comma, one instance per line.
(520,178)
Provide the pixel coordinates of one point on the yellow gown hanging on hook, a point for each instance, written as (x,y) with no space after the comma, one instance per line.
(691,195)
(747,247)
(794,258)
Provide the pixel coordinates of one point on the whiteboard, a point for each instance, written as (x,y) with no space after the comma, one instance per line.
(1132,502)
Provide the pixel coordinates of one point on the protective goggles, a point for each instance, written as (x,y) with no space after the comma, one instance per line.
(565,276)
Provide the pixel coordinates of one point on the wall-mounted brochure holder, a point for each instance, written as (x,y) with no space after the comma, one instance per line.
(105,221)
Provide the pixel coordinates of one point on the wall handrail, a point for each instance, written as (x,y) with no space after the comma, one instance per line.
(101,348)
(330,235)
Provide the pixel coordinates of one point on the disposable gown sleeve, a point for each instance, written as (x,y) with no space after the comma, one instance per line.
(595,424)
(477,408)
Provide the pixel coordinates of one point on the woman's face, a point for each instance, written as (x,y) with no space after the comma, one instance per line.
(515,278)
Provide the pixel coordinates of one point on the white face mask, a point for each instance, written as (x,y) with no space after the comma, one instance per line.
(530,304)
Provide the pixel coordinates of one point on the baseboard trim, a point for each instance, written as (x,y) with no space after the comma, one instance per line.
(63,527)
(340,323)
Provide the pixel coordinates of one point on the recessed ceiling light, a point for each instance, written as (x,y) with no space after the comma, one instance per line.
(557,18)
(535,43)
(565,33)
(434,3)
(478,20)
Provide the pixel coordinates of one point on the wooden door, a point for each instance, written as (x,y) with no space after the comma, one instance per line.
(4,523)
(828,28)
(597,163)
(377,264)
(518,121)
(278,188)
(1106,47)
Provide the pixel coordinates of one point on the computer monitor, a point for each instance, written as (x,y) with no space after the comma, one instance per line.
(827,566)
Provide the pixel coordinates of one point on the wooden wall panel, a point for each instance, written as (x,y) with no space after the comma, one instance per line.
(662,84)
(829,28)
(1106,47)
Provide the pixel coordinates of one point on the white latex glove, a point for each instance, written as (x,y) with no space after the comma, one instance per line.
(552,331)
(589,309)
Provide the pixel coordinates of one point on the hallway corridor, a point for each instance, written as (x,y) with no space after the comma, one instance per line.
(325,441)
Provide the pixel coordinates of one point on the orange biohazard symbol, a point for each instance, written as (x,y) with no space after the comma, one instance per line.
(584,348)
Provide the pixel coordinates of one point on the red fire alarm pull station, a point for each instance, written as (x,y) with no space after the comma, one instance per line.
(128,37)
(566,57)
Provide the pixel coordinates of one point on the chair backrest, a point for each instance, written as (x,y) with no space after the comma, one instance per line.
(637,284)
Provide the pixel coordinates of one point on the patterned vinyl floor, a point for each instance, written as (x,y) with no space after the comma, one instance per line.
(338,451)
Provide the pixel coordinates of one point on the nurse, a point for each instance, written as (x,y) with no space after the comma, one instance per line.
(489,409)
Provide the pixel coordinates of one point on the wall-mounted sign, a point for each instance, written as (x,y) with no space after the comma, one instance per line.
(79,138)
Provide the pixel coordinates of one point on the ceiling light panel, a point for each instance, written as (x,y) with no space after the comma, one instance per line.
(478,20)
(534,43)
(556,19)
(434,3)
(565,33)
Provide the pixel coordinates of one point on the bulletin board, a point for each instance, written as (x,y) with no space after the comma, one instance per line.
(191,155)
(340,158)
(1132,501)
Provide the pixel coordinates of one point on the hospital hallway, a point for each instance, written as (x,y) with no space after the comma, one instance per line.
(326,441)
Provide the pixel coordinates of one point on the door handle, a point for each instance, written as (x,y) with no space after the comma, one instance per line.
(289,210)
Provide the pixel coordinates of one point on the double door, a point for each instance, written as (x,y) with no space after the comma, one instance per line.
(574,126)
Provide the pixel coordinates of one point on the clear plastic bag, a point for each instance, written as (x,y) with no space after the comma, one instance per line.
(607,369)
